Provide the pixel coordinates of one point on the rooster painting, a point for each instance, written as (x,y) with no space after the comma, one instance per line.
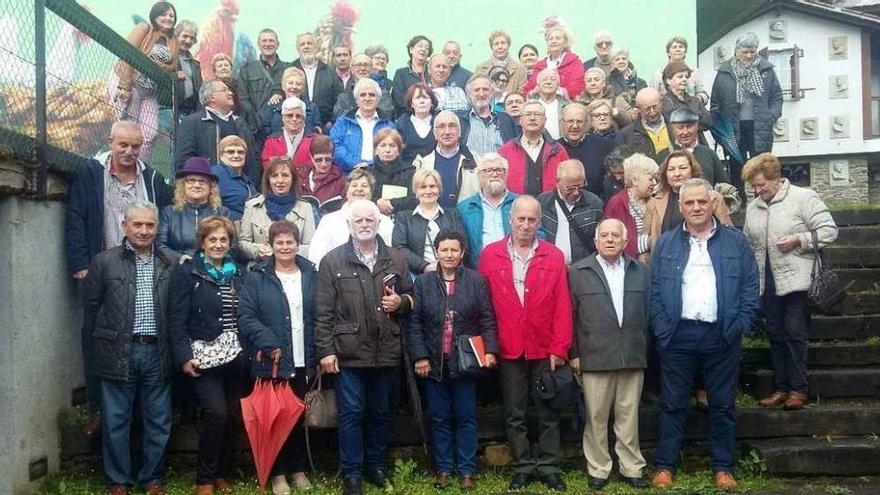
(217,35)
(335,30)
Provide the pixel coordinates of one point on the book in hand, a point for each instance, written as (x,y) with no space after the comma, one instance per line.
(471,354)
(326,206)
(479,349)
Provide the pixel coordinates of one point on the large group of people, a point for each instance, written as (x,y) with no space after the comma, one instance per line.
(330,220)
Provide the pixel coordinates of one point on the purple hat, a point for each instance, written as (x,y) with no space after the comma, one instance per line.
(196,166)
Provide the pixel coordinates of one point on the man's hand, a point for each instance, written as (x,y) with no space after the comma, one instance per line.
(265,250)
(556,362)
(422,367)
(122,96)
(491,361)
(274,100)
(183,259)
(575,364)
(81,275)
(330,364)
(385,206)
(275,355)
(391,300)
(191,368)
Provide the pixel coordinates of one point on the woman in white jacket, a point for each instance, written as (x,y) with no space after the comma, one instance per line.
(779,224)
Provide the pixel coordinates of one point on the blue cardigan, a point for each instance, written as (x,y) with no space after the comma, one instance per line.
(347,138)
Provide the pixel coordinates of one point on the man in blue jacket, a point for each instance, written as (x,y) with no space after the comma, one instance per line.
(704,295)
(98,195)
(486,215)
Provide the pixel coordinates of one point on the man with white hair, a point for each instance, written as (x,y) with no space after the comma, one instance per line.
(603,46)
(547,94)
(486,215)
(483,130)
(363,296)
(189,75)
(361,68)
(609,349)
(322,84)
(452,160)
(570,213)
(449,95)
(353,132)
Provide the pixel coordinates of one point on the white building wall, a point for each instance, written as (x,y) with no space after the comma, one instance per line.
(812,34)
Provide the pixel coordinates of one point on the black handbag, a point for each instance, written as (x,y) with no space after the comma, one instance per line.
(468,364)
(827,289)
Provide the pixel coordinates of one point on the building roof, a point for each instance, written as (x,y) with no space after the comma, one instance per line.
(716,18)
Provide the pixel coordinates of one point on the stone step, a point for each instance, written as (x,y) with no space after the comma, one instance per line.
(856,217)
(860,303)
(851,327)
(860,235)
(863,279)
(823,383)
(846,456)
(853,257)
(825,355)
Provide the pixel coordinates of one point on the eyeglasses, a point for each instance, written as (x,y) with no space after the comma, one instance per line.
(224,90)
(601,115)
(322,159)
(362,64)
(234,152)
(294,116)
(573,187)
(191,181)
(493,171)
(603,43)
(574,121)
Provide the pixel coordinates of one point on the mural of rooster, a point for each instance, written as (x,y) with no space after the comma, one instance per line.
(336,29)
(217,35)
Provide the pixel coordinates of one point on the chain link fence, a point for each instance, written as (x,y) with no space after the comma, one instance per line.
(86,63)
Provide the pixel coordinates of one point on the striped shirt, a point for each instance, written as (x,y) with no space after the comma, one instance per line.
(144,309)
(117,197)
(229,307)
(484,136)
(638,215)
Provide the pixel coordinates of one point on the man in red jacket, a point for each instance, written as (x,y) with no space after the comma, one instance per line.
(534,157)
(529,289)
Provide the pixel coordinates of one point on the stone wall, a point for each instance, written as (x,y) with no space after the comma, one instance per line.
(40,359)
(842,179)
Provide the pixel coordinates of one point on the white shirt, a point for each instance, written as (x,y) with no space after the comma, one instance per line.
(551,109)
(699,296)
(310,80)
(563,233)
(332,232)
(521,267)
(533,151)
(367,125)
(292,285)
(430,233)
(422,126)
(614,274)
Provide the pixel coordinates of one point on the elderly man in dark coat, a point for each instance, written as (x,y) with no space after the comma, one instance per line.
(610,293)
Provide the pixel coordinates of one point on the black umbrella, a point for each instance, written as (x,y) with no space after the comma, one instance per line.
(413,388)
(725,135)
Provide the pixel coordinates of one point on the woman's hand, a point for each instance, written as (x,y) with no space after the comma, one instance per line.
(786,243)
(275,355)
(491,361)
(191,368)
(422,368)
(181,75)
(265,250)
(385,206)
(183,259)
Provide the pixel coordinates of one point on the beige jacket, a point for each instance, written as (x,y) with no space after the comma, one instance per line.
(793,211)
(255,223)
(512,67)
(143,37)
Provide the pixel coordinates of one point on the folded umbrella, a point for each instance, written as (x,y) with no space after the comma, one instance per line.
(725,136)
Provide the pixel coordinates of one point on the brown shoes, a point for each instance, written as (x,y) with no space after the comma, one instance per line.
(441,480)
(725,481)
(468,483)
(204,489)
(223,486)
(117,490)
(662,479)
(774,399)
(795,401)
(156,490)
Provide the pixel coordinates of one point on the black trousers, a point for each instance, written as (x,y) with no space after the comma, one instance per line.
(219,391)
(747,150)
(788,323)
(292,458)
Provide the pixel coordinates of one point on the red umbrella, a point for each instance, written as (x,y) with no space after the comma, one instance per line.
(270,412)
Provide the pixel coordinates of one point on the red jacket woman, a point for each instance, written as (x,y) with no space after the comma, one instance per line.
(571,75)
(276,146)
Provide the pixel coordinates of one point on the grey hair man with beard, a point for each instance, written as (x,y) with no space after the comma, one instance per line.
(486,215)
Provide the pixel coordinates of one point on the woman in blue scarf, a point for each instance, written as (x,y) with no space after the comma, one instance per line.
(279,201)
(203,327)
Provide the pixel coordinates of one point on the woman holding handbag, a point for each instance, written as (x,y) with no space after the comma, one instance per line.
(782,224)
(203,328)
(276,314)
(452,305)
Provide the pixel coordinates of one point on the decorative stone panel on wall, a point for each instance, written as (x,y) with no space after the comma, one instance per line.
(841,180)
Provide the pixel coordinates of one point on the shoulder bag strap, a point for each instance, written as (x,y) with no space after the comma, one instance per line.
(568,216)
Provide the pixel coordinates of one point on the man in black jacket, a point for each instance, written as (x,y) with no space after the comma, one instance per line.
(322,84)
(570,213)
(189,75)
(648,131)
(363,291)
(259,81)
(610,302)
(125,301)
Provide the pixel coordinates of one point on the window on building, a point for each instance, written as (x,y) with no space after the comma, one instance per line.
(797,173)
(871,85)
(787,63)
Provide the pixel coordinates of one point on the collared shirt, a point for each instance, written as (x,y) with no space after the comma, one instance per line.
(117,197)
(520,267)
(493,220)
(292,142)
(551,109)
(368,259)
(533,151)
(450,97)
(217,114)
(185,57)
(484,136)
(310,79)
(615,273)
(344,76)
(292,285)
(144,309)
(430,233)
(699,296)
(367,125)
(563,232)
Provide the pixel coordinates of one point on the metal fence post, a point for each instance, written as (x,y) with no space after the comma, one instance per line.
(40,94)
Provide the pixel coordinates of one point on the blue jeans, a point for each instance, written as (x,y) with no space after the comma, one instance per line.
(363,397)
(453,398)
(694,346)
(93,383)
(117,401)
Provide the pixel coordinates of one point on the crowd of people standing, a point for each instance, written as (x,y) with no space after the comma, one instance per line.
(328,220)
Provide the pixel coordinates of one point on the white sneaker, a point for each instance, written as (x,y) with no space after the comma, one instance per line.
(280,486)
(301,481)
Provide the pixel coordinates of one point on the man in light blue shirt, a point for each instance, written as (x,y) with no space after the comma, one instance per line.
(486,214)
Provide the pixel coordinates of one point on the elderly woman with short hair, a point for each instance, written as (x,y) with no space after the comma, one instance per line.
(560,57)
(747,97)
(624,79)
(280,201)
(629,205)
(353,132)
(601,119)
(293,83)
(295,137)
(783,223)
(499,45)
(416,229)
(196,197)
(236,187)
(596,87)
(379,57)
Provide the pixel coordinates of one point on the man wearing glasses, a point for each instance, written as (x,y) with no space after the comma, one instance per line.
(648,131)
(486,215)
(198,134)
(589,148)
(603,46)
(570,214)
(534,157)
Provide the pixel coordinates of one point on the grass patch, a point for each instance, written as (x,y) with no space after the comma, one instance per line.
(757,340)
